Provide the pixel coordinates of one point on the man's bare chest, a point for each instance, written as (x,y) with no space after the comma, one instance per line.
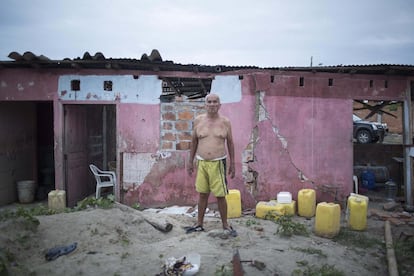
(211,130)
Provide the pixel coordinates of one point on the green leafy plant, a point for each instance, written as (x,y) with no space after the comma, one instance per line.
(357,239)
(287,227)
(311,251)
(251,222)
(6,258)
(31,222)
(102,202)
(224,270)
(323,270)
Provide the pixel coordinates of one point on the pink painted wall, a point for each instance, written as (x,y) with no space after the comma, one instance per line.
(298,137)
(138,127)
(303,143)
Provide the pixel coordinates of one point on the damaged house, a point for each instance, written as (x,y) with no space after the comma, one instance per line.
(292,126)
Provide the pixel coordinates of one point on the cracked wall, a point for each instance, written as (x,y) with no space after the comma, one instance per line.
(289,146)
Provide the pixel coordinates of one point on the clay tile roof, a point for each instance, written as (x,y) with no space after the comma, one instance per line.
(155,62)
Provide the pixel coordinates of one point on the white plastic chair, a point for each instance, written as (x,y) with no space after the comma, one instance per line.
(103,179)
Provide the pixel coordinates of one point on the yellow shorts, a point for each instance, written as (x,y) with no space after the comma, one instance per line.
(211,177)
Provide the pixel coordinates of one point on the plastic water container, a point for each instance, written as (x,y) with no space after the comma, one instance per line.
(391,190)
(368,179)
(284,197)
(272,208)
(357,208)
(306,203)
(26,191)
(57,200)
(290,208)
(327,219)
(233,204)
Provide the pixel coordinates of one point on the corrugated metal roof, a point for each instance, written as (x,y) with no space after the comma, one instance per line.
(154,62)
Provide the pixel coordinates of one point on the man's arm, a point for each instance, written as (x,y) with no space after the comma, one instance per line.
(193,150)
(230,149)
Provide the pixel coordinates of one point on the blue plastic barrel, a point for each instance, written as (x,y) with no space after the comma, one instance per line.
(368,179)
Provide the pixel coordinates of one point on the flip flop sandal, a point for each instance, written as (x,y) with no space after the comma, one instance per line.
(55,252)
(230,232)
(190,229)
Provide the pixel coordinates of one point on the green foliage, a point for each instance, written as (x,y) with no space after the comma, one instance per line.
(6,258)
(357,239)
(31,222)
(136,206)
(313,270)
(102,202)
(311,251)
(287,227)
(224,270)
(251,222)
(394,107)
(41,210)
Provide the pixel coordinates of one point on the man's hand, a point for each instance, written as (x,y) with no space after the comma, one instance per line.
(232,170)
(190,169)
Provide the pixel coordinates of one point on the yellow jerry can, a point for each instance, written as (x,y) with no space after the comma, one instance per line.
(233,204)
(269,209)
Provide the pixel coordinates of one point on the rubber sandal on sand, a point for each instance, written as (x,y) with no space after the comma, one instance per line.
(54,253)
(230,232)
(191,229)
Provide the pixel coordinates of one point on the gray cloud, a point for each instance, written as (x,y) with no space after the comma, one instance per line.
(264,33)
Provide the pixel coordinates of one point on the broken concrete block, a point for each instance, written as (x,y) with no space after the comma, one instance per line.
(390,206)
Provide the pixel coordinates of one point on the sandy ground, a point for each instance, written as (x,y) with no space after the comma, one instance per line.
(120,241)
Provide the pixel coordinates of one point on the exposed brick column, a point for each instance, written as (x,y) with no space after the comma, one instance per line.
(177,123)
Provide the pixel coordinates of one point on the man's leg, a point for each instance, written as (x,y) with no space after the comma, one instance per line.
(222,206)
(202,206)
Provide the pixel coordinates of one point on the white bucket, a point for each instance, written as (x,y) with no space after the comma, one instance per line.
(26,191)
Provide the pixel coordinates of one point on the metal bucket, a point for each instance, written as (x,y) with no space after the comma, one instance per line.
(26,191)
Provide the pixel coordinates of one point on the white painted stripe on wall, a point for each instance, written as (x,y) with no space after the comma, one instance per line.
(146,89)
(228,88)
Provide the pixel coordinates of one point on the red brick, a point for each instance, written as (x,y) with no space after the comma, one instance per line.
(183,145)
(184,136)
(167,145)
(186,115)
(181,125)
(169,136)
(169,116)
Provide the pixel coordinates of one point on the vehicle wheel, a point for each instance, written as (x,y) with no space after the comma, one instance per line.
(363,136)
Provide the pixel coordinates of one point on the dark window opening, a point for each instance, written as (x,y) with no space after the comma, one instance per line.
(75,85)
(386,84)
(301,81)
(192,88)
(108,85)
(371,83)
(330,82)
(272,79)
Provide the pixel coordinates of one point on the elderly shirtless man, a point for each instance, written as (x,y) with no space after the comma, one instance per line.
(211,134)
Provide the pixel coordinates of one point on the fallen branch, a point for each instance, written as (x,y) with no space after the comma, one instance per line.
(158,223)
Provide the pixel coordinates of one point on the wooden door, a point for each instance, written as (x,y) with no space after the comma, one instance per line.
(75,153)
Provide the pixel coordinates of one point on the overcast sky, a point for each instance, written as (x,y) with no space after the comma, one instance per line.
(262,33)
